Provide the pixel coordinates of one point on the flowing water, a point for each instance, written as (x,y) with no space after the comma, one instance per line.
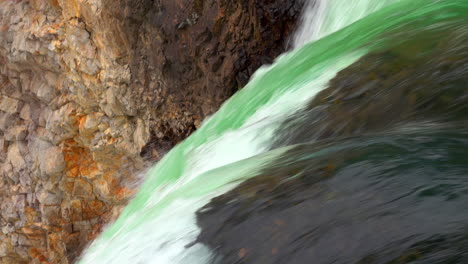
(323,17)
(352,148)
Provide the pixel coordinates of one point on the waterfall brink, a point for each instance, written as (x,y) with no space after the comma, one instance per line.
(160,224)
(323,17)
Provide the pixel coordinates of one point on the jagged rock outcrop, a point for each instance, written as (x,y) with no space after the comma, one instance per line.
(90,89)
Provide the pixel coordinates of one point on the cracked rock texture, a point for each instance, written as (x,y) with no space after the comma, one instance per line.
(91,91)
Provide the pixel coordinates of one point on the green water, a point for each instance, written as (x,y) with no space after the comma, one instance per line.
(322,18)
(232,144)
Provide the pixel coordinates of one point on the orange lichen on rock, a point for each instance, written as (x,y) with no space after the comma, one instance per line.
(81,119)
(93,209)
(89,169)
(124,192)
(79,160)
(54,3)
(37,254)
(33,232)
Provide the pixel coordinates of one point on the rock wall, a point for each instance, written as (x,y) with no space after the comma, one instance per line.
(91,91)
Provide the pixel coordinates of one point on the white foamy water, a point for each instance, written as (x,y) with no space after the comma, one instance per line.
(323,17)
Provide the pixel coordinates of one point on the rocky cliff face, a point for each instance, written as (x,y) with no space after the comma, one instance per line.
(91,89)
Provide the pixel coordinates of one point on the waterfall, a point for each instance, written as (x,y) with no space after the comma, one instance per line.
(322,17)
(159,225)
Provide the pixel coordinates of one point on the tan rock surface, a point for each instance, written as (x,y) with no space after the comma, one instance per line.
(90,90)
